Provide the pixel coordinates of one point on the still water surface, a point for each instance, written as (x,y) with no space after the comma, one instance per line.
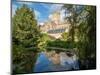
(43,64)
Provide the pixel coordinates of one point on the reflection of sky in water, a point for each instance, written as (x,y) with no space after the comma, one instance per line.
(43,64)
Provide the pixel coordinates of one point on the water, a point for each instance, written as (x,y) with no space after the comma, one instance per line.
(43,64)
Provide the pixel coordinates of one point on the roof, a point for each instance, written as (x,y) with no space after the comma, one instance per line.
(57,31)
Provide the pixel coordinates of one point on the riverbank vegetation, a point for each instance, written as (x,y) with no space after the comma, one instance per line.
(28,41)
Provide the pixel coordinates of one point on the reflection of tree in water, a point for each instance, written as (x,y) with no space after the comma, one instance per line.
(26,34)
(59,61)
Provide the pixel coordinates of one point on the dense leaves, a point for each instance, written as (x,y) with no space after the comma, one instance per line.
(83,27)
(24,26)
(25,34)
(27,39)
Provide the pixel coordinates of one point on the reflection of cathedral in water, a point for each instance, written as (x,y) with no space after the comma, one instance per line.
(55,26)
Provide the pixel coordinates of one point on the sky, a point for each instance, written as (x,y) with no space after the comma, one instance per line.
(42,10)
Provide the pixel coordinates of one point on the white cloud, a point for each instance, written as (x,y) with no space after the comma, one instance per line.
(41,24)
(55,7)
(62,12)
(14,7)
(52,7)
(37,14)
(27,3)
(45,5)
(50,16)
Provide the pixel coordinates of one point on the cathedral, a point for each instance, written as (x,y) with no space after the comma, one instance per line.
(55,26)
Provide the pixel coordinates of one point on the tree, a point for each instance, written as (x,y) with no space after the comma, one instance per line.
(65,36)
(87,30)
(25,34)
(72,12)
(43,40)
(25,30)
(83,26)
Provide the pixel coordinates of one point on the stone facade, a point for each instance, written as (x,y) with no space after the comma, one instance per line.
(54,26)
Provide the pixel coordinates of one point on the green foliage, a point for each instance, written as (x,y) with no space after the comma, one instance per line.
(61,44)
(73,11)
(87,32)
(82,19)
(24,26)
(43,40)
(25,34)
(64,36)
(27,39)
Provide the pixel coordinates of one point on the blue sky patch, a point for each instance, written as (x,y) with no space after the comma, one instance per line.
(42,10)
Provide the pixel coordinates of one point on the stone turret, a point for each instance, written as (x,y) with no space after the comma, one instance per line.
(54,27)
